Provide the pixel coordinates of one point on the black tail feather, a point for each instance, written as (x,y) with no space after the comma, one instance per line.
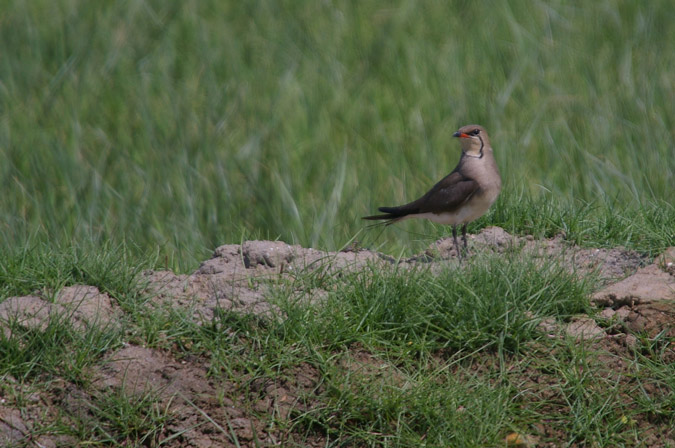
(387,218)
(394,211)
(379,217)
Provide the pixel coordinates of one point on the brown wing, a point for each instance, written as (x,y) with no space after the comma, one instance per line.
(448,194)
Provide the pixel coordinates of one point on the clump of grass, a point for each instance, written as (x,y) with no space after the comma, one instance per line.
(37,266)
(601,223)
(122,419)
(58,350)
(56,347)
(491,302)
(433,409)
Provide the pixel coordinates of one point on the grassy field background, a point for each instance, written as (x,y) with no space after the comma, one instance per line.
(140,134)
(174,127)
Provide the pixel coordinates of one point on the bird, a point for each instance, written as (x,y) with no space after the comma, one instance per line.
(462,196)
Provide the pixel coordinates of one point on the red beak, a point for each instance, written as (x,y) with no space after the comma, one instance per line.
(461,135)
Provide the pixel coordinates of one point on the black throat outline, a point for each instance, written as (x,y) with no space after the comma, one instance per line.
(482,145)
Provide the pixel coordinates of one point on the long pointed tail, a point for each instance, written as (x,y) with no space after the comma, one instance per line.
(391,215)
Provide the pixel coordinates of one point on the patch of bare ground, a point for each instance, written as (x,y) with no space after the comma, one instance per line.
(635,300)
(238,278)
(195,410)
(207,412)
(81,305)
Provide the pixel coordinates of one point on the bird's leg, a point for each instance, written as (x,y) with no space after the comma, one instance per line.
(454,239)
(466,245)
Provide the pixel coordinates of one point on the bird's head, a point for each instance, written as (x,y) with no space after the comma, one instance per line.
(474,139)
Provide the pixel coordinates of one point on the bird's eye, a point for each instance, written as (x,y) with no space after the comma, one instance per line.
(476,132)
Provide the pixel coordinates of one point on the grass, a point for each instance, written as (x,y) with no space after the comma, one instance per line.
(596,224)
(57,350)
(142,134)
(435,410)
(456,309)
(394,357)
(178,127)
(402,362)
(120,419)
(47,267)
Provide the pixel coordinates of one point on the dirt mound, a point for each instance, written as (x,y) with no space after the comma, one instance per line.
(633,298)
(648,285)
(238,278)
(81,305)
(234,278)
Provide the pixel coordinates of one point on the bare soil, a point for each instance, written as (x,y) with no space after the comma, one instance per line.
(634,298)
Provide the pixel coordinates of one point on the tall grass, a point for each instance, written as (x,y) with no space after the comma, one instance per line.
(184,125)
